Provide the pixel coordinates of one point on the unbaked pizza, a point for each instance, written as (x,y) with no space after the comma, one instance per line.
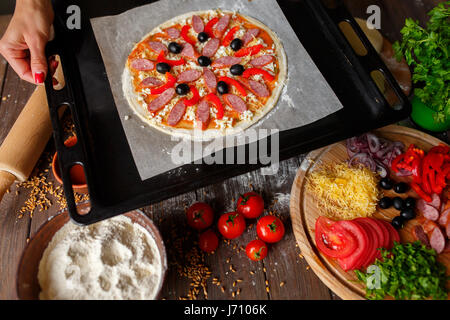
(213,72)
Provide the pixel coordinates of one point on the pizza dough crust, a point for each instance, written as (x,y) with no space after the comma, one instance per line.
(205,135)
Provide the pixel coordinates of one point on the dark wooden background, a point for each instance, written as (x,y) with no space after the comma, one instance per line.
(282,275)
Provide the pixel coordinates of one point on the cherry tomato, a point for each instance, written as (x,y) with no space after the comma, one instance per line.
(270,229)
(200,216)
(208,241)
(256,250)
(250,205)
(333,240)
(231,225)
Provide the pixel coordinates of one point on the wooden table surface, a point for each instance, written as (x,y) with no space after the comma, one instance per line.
(282,275)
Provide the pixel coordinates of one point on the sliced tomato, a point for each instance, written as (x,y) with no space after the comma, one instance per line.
(349,262)
(379,234)
(372,253)
(385,231)
(394,236)
(333,240)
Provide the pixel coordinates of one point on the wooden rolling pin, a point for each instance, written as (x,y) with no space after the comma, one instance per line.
(27,138)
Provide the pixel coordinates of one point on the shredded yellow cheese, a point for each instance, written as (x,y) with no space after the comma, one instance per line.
(344,192)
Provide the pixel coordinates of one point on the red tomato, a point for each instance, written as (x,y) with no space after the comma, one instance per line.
(250,205)
(394,236)
(256,250)
(231,225)
(354,259)
(270,229)
(373,241)
(208,241)
(385,231)
(332,239)
(200,216)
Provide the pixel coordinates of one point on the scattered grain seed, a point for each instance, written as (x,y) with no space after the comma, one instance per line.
(282,283)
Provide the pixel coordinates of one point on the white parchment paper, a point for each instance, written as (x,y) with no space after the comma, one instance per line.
(306,97)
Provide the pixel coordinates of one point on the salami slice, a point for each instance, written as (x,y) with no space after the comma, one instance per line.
(250,35)
(235,102)
(142,64)
(202,115)
(211,47)
(435,201)
(226,62)
(161,100)
(173,33)
(197,24)
(176,113)
(261,61)
(157,46)
(189,52)
(221,26)
(189,76)
(419,234)
(437,240)
(444,218)
(428,211)
(151,82)
(259,88)
(210,79)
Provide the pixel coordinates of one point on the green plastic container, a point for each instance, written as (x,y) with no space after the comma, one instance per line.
(422,115)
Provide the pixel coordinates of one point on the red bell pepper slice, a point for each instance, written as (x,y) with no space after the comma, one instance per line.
(195,98)
(170,83)
(249,51)
(252,71)
(208,28)
(425,196)
(162,59)
(216,101)
(234,83)
(229,36)
(185,36)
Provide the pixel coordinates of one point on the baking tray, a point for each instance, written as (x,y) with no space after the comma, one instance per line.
(113,181)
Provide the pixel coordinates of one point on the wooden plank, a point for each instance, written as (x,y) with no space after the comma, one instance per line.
(13,231)
(4,21)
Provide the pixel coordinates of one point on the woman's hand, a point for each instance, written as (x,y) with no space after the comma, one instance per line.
(23,44)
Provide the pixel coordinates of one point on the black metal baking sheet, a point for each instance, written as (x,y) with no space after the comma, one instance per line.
(113,180)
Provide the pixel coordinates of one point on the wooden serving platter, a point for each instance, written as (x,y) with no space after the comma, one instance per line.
(304,211)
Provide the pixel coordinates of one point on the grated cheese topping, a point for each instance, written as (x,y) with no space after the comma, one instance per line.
(344,192)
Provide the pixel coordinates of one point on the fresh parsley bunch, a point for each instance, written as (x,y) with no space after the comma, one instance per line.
(407,271)
(427,51)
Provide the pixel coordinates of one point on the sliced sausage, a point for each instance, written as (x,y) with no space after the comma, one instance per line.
(431,213)
(189,76)
(142,64)
(158,46)
(235,102)
(173,33)
(435,201)
(221,25)
(210,80)
(447,230)
(262,61)
(250,35)
(197,24)
(151,82)
(427,210)
(437,240)
(211,47)
(202,115)
(176,113)
(419,234)
(161,100)
(444,218)
(189,52)
(226,62)
(258,88)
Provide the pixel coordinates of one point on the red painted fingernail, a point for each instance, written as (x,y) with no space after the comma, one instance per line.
(39,77)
